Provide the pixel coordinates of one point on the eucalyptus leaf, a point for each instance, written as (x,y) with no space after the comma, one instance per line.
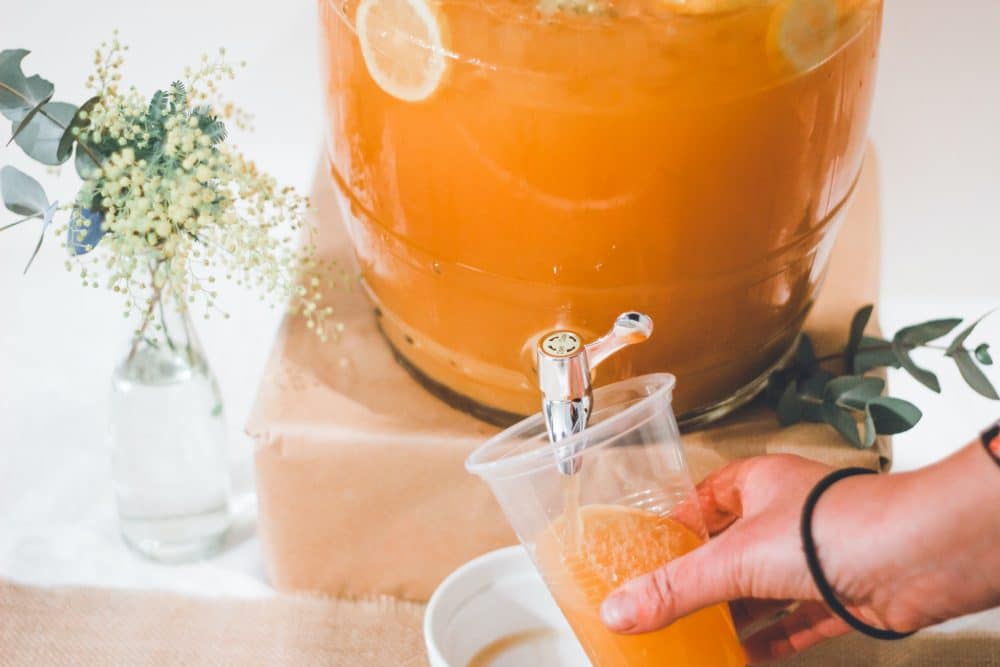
(841,385)
(921,375)
(925,332)
(805,354)
(21,193)
(790,406)
(46,221)
(959,342)
(843,421)
(41,136)
(858,325)
(85,165)
(815,383)
(874,353)
(68,139)
(86,229)
(812,410)
(983,354)
(892,415)
(19,93)
(870,433)
(23,123)
(973,374)
(855,390)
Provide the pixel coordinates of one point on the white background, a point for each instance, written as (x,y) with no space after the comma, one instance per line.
(936,124)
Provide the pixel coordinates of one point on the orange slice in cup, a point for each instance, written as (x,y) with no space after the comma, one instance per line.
(402,45)
(804,32)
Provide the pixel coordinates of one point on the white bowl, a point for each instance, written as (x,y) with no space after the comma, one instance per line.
(496,608)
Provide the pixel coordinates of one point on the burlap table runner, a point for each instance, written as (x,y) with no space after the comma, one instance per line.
(360,470)
(84,627)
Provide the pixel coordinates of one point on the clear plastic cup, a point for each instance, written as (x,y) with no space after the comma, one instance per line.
(630,509)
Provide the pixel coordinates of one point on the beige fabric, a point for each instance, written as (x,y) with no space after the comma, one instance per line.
(360,471)
(79,627)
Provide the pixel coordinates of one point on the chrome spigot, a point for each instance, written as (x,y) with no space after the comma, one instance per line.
(565,372)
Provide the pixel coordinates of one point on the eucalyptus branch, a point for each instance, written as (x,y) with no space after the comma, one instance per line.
(40,109)
(807,391)
(887,347)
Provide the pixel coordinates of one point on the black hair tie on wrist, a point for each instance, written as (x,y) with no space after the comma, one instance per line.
(991,442)
(812,559)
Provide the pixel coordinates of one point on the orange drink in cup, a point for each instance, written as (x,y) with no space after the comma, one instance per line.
(619,516)
(617,544)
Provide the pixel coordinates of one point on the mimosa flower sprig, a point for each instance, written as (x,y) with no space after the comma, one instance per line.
(853,402)
(164,199)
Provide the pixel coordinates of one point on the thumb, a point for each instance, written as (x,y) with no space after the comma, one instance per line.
(708,575)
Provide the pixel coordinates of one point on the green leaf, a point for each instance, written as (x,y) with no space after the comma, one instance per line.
(874,353)
(790,406)
(47,220)
(858,325)
(815,383)
(67,140)
(21,193)
(842,420)
(973,375)
(854,391)
(217,410)
(870,432)
(983,354)
(892,415)
(209,124)
(85,165)
(40,137)
(20,94)
(812,411)
(805,354)
(157,107)
(838,386)
(921,375)
(178,94)
(23,123)
(959,342)
(925,332)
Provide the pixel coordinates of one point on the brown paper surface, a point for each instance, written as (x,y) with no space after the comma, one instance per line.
(360,471)
(84,627)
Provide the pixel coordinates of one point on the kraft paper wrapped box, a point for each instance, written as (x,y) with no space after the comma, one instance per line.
(360,471)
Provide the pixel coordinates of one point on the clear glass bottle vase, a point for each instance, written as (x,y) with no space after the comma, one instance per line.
(168,440)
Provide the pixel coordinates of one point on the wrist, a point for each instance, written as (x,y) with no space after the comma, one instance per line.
(909,550)
(849,527)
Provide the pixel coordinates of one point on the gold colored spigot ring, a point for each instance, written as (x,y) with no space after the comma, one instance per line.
(561,344)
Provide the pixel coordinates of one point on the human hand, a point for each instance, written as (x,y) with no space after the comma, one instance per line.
(871,539)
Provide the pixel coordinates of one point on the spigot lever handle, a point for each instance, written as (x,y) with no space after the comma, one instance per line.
(630,328)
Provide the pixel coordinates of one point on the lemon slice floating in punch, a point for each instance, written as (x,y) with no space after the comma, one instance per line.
(804,32)
(401,42)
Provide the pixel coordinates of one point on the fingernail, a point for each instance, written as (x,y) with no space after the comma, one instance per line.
(618,612)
